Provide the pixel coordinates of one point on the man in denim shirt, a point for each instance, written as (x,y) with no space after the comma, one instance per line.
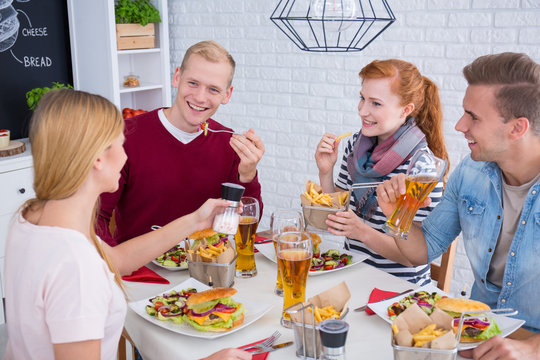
(492,197)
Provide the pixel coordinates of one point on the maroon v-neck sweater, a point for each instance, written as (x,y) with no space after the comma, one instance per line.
(164,179)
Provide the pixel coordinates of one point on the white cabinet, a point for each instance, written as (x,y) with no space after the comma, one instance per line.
(16,186)
(98,67)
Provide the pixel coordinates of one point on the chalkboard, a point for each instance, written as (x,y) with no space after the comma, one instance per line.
(34,52)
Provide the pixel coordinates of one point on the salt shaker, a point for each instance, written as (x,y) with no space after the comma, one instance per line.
(333,336)
(226,222)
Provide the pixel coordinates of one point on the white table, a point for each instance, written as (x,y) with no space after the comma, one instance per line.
(368,335)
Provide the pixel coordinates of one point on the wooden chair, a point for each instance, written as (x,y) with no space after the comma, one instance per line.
(122,354)
(443,273)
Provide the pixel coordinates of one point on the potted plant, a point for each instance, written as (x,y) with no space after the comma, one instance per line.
(135,24)
(34,96)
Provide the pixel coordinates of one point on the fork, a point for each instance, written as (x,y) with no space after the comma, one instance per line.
(223,131)
(266,343)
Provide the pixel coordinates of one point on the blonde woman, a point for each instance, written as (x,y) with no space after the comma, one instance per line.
(64,297)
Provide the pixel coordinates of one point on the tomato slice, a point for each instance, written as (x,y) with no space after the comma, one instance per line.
(175,258)
(228,311)
(328,267)
(158,304)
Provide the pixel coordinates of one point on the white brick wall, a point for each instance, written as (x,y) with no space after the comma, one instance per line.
(290,97)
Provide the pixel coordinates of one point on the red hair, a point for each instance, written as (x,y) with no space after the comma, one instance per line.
(414,88)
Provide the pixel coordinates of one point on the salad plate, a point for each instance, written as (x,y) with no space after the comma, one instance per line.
(507,324)
(267,250)
(167,256)
(254,311)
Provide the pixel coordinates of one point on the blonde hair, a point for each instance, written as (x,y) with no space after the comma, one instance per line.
(517,77)
(68,131)
(211,51)
(413,87)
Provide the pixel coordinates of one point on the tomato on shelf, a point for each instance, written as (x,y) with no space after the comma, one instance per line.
(128,112)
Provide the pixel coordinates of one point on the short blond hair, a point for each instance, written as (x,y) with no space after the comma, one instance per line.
(211,51)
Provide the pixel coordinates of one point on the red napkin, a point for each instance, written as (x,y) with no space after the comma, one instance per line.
(259,238)
(145,275)
(378,295)
(257,356)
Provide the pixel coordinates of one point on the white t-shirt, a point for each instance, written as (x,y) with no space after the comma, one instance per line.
(180,135)
(58,290)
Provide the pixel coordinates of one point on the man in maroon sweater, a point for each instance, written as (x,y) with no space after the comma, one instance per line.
(173,167)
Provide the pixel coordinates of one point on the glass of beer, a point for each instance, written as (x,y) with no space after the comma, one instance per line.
(295,250)
(283,220)
(245,238)
(423,174)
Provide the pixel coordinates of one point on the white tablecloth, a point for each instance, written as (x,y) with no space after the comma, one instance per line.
(368,337)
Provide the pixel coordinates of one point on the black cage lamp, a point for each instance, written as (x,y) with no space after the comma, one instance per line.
(332,25)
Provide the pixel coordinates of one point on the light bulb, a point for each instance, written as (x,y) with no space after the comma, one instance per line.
(336,14)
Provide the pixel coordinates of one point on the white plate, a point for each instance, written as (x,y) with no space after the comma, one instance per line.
(254,311)
(270,253)
(380,308)
(170,268)
(507,324)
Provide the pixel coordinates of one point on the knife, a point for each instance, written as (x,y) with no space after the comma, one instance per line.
(273,348)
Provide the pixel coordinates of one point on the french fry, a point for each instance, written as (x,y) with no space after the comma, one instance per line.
(327,312)
(427,334)
(343,136)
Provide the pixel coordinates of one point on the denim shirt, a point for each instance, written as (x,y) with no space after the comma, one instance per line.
(472,204)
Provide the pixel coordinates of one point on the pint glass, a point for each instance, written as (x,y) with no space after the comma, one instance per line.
(283,220)
(424,172)
(245,238)
(295,250)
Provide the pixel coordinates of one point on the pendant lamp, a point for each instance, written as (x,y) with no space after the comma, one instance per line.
(332,25)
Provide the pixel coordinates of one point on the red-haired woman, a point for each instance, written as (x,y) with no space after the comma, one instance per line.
(401,113)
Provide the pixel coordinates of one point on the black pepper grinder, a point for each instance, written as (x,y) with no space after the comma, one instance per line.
(333,336)
(226,222)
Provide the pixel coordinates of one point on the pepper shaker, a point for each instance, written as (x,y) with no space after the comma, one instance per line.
(333,336)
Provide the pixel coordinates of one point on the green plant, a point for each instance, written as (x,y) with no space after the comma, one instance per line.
(34,96)
(136,12)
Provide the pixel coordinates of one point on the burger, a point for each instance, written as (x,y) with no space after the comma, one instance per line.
(479,328)
(209,235)
(214,310)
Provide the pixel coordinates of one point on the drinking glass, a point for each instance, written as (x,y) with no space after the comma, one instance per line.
(245,238)
(295,250)
(424,172)
(283,220)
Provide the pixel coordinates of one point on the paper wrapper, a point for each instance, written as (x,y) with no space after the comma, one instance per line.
(224,258)
(338,296)
(414,319)
(316,214)
(336,204)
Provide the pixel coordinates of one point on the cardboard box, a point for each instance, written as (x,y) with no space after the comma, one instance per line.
(135,36)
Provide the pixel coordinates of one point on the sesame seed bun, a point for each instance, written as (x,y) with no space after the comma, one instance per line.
(208,295)
(202,234)
(461,305)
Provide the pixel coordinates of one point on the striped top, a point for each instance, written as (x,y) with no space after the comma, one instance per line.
(415,274)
